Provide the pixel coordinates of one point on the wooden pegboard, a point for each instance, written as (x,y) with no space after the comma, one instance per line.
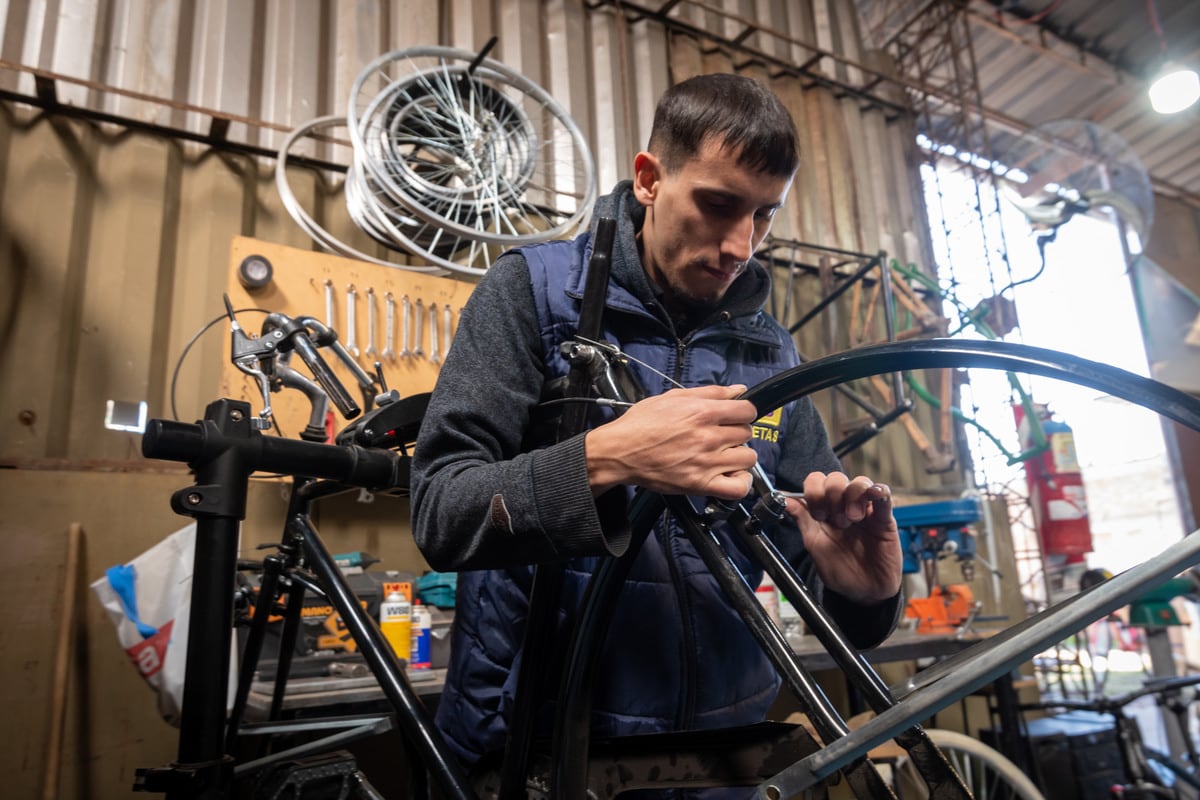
(298,288)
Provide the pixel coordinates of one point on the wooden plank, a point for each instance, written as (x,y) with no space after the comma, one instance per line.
(63,651)
(298,289)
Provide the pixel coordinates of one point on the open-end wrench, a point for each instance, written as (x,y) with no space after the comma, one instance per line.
(417,351)
(447,327)
(351,301)
(406,322)
(371,352)
(329,294)
(389,328)
(435,356)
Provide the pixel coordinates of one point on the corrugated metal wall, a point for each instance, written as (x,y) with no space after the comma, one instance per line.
(118,235)
(114,239)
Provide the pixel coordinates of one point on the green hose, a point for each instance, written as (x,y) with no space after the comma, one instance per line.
(974,318)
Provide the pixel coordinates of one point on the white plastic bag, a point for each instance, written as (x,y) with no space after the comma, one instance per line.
(148,600)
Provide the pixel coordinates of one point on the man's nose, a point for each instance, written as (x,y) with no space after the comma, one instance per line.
(739,239)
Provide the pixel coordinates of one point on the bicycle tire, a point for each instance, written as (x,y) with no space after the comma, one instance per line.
(985,771)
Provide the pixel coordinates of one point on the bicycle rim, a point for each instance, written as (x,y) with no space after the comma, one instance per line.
(863,362)
(987,773)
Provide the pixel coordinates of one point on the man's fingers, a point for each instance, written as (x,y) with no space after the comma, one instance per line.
(714,391)
(730,485)
(837,499)
(716,405)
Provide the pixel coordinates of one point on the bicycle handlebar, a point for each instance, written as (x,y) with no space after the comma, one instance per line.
(296,338)
(349,464)
(1112,705)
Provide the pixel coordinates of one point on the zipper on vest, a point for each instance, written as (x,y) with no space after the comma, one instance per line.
(681,347)
(684,715)
(687,712)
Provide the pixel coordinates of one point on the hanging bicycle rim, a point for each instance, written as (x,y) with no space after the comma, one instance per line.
(457,158)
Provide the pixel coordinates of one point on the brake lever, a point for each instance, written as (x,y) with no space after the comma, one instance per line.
(291,334)
(325,336)
(256,358)
(314,431)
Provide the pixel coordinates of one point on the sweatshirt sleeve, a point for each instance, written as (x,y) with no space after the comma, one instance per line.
(479,501)
(806,449)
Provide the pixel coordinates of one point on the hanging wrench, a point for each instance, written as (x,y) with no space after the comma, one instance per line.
(406,304)
(371,351)
(447,327)
(417,351)
(435,356)
(389,327)
(351,301)
(329,303)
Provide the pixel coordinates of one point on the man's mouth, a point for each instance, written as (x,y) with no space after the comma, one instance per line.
(723,275)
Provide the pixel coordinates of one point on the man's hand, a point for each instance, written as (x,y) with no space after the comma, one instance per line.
(685,441)
(850,532)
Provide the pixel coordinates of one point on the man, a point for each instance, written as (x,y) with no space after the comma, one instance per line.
(491,496)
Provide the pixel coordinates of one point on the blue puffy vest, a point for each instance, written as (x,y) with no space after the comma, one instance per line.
(677,656)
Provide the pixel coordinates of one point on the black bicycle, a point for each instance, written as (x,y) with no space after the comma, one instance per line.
(783,761)
(1146,772)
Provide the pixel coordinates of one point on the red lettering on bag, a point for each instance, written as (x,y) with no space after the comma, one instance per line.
(148,655)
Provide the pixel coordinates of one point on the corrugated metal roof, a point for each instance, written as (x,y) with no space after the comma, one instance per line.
(1040,61)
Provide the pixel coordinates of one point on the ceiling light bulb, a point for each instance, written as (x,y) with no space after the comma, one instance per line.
(1174,89)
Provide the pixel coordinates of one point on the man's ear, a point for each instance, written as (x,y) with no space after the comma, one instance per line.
(647,172)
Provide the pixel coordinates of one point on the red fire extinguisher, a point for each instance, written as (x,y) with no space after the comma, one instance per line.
(1056,489)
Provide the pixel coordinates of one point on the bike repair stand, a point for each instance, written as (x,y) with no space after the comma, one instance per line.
(217,501)
(223,450)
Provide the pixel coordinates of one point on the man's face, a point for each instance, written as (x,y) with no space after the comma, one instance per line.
(703,221)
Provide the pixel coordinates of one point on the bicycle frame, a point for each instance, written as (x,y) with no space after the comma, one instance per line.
(224,452)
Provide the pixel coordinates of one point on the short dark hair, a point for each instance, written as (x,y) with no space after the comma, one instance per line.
(740,112)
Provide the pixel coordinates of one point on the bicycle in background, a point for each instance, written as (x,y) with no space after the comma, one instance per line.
(1147,773)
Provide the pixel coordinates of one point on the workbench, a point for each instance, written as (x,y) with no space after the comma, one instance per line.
(312,696)
(903,645)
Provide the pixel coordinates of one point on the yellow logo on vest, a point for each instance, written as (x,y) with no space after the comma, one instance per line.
(766,427)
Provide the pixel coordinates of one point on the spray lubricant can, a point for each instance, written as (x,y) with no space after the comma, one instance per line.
(422,627)
(395,620)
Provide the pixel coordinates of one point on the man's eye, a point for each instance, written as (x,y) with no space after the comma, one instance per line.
(765,214)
